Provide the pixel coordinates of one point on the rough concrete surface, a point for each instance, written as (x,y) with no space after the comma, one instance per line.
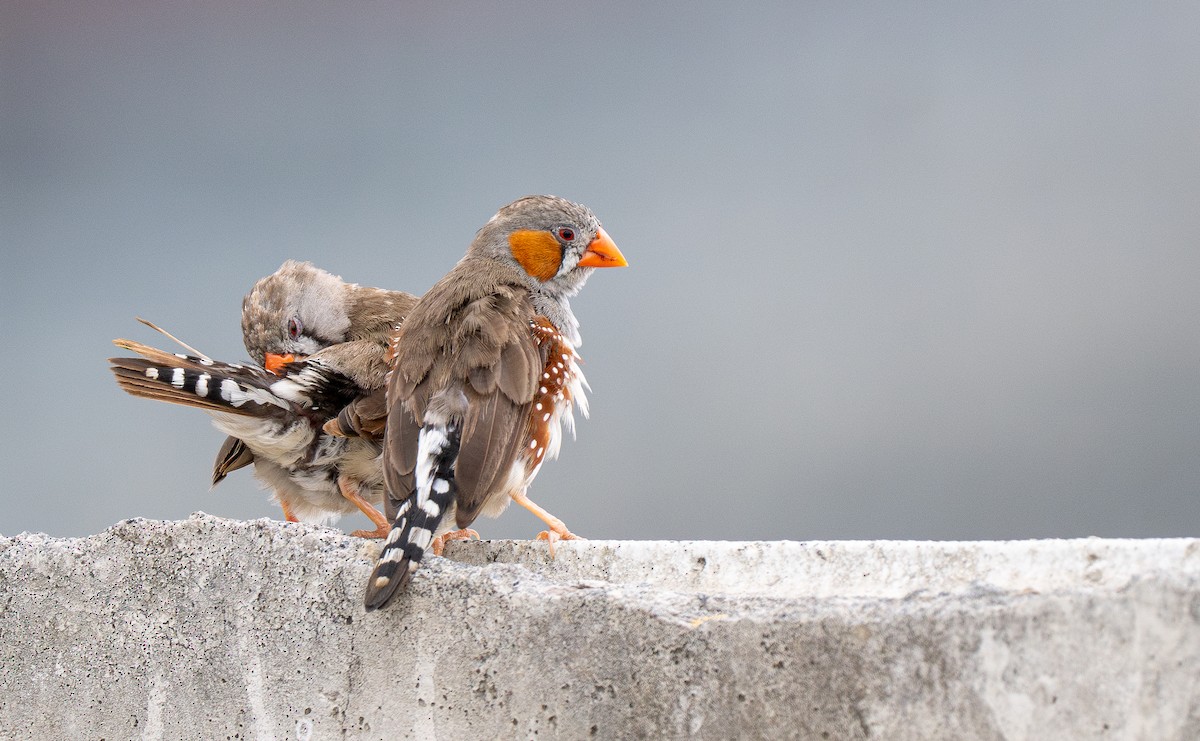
(211,628)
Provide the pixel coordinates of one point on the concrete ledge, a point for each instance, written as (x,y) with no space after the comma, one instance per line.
(211,628)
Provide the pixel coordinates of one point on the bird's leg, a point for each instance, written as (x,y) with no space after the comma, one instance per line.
(439,543)
(287,511)
(558,531)
(349,489)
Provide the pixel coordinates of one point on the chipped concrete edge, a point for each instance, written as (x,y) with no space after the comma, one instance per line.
(218,628)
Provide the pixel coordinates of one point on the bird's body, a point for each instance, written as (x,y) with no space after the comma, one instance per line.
(326,344)
(484,380)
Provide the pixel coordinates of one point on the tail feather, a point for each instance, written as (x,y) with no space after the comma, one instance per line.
(418,517)
(197,382)
(211,390)
(233,455)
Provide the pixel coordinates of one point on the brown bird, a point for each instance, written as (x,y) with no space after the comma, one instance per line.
(300,309)
(484,380)
(326,345)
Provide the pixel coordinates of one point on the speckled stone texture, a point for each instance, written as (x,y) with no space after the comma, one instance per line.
(211,628)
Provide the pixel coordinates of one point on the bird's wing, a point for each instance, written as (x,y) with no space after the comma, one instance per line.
(496,366)
(375,313)
(363,361)
(400,457)
(366,362)
(467,341)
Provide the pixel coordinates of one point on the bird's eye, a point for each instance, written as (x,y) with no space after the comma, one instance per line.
(293,328)
(566,234)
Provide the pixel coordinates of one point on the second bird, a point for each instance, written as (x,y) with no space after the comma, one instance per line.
(328,343)
(484,380)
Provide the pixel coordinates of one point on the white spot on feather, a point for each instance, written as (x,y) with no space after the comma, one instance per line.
(421,537)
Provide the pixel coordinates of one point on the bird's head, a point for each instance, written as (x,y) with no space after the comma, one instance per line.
(553,241)
(292,313)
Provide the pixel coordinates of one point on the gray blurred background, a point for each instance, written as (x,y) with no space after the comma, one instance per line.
(897,271)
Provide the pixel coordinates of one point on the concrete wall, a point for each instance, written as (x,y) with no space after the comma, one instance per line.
(211,628)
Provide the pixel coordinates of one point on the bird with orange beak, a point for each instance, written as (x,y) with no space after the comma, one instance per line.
(324,344)
(484,380)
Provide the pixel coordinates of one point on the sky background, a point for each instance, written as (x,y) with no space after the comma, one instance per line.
(920,271)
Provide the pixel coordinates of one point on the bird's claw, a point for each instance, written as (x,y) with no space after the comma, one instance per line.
(379,532)
(439,543)
(552,536)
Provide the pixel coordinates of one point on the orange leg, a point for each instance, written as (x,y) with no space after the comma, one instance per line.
(349,490)
(439,543)
(287,511)
(558,531)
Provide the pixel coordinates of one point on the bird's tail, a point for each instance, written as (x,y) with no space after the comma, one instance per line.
(418,516)
(234,454)
(231,388)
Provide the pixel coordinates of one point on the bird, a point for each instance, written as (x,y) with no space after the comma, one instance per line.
(300,309)
(484,381)
(318,343)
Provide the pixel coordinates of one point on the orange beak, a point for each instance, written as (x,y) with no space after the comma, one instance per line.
(274,362)
(602,253)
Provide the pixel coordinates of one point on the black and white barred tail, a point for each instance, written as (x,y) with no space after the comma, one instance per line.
(233,388)
(198,382)
(418,517)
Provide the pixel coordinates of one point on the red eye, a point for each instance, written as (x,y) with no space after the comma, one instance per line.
(293,328)
(566,234)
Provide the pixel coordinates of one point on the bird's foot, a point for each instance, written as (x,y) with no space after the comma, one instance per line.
(553,536)
(439,543)
(558,531)
(379,532)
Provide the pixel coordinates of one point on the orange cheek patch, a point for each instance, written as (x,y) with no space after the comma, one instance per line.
(537,251)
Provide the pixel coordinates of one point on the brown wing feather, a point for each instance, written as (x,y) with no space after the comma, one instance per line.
(365,417)
(400,456)
(374,312)
(362,361)
(518,370)
(495,426)
(483,379)
(486,452)
(366,362)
